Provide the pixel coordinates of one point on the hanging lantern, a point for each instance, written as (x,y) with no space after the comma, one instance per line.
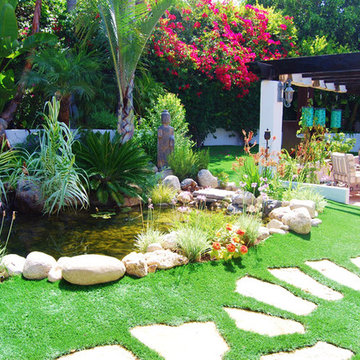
(307,116)
(335,119)
(320,116)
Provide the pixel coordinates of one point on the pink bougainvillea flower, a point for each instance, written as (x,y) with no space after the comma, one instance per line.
(197,25)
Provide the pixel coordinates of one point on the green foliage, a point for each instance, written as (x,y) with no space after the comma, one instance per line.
(193,242)
(161,194)
(306,193)
(183,162)
(250,224)
(53,168)
(340,143)
(203,158)
(146,130)
(149,236)
(248,173)
(3,247)
(103,120)
(115,169)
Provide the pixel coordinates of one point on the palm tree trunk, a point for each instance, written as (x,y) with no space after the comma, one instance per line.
(8,113)
(64,113)
(126,114)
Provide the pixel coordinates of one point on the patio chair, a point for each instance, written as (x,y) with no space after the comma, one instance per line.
(344,169)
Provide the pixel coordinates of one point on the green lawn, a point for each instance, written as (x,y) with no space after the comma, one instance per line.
(40,320)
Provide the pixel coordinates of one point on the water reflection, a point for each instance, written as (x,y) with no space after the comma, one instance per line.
(72,234)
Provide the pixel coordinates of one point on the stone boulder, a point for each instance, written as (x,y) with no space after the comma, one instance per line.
(277,231)
(275,224)
(14,264)
(189,185)
(172,181)
(268,206)
(131,201)
(135,264)
(231,186)
(28,198)
(55,274)
(185,197)
(170,241)
(154,247)
(37,265)
(243,198)
(92,269)
(308,204)
(315,222)
(298,220)
(278,213)
(206,179)
(263,233)
(165,259)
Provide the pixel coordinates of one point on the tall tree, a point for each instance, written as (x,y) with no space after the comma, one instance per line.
(128,25)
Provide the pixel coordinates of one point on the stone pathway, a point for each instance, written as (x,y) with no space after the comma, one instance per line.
(195,341)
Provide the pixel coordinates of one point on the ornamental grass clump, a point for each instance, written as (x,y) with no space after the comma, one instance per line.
(147,237)
(192,242)
(161,194)
(306,193)
(230,243)
(250,224)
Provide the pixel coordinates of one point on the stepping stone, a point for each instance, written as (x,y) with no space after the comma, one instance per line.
(320,351)
(264,324)
(356,261)
(110,352)
(336,273)
(191,341)
(274,295)
(297,278)
(214,194)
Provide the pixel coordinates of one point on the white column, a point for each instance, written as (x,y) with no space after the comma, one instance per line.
(271,115)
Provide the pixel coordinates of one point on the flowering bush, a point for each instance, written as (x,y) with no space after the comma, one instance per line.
(229,243)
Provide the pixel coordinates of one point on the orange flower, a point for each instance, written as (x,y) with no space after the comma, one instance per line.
(216,246)
(235,239)
(240,232)
(243,249)
(228,227)
(230,247)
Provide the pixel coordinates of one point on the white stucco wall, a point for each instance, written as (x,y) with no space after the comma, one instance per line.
(225,137)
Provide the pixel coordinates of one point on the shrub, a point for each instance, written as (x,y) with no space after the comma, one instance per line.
(250,224)
(306,193)
(162,194)
(192,241)
(146,130)
(115,169)
(53,168)
(183,162)
(147,237)
(339,143)
(103,120)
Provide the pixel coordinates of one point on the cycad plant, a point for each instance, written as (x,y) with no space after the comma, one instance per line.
(53,168)
(128,25)
(115,169)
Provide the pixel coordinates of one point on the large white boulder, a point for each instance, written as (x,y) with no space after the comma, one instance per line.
(263,233)
(278,213)
(55,274)
(298,220)
(275,224)
(14,264)
(154,247)
(92,269)
(135,264)
(172,181)
(308,204)
(243,198)
(170,241)
(165,259)
(206,179)
(37,265)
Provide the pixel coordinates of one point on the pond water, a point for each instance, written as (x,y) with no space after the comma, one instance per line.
(72,234)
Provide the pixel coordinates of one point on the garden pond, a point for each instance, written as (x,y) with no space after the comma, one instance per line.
(71,234)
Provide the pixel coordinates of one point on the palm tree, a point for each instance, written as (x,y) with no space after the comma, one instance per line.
(128,25)
(63,72)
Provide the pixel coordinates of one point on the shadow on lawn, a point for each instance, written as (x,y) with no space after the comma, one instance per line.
(344,208)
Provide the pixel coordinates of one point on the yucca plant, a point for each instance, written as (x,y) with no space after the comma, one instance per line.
(114,168)
(53,168)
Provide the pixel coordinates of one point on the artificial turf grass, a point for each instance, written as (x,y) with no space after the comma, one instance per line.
(39,320)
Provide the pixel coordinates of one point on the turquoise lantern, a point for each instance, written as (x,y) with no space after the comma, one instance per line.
(320,116)
(335,122)
(307,116)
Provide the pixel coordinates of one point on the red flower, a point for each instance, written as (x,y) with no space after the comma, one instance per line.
(216,246)
(197,25)
(204,15)
(240,232)
(230,247)
(243,249)
(97,16)
(228,227)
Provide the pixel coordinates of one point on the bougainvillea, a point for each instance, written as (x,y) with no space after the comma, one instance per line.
(218,40)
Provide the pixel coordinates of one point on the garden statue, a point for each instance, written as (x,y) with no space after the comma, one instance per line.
(165,143)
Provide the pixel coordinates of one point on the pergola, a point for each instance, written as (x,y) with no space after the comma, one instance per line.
(339,73)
